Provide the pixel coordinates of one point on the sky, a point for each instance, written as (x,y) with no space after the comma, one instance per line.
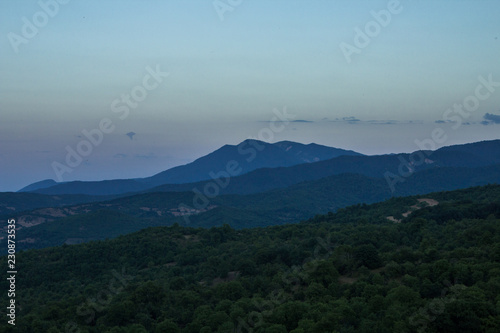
(156,84)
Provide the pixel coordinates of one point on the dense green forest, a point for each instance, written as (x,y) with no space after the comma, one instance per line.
(108,219)
(272,169)
(11,202)
(437,269)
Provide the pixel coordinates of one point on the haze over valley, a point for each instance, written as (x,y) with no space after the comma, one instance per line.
(236,166)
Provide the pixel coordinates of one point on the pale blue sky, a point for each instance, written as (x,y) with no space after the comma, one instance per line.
(226,77)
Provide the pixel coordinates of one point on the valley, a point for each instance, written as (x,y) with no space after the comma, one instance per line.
(231,166)
(342,272)
(301,238)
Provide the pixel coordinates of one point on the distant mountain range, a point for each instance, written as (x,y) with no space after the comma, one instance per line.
(474,155)
(39,185)
(245,157)
(364,268)
(13,203)
(258,166)
(253,197)
(107,219)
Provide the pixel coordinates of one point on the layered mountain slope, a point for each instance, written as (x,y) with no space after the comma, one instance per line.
(394,166)
(249,155)
(339,272)
(13,203)
(243,158)
(44,227)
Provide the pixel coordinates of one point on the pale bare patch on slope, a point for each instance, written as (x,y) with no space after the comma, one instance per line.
(428,202)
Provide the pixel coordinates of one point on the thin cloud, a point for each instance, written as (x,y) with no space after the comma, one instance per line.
(382,122)
(286,122)
(349,120)
(146,156)
(355,120)
(491,119)
(452,122)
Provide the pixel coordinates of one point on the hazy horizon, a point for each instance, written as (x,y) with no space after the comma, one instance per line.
(204,76)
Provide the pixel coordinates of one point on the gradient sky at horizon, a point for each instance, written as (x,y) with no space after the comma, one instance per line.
(227,76)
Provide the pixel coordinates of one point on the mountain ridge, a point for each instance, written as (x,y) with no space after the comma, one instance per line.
(476,154)
(249,155)
(275,207)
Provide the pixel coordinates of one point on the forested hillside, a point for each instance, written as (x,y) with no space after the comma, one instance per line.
(247,156)
(436,269)
(13,203)
(275,168)
(108,219)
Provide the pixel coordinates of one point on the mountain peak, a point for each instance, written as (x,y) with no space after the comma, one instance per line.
(39,185)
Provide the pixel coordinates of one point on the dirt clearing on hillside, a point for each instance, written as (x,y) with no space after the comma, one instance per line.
(428,202)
